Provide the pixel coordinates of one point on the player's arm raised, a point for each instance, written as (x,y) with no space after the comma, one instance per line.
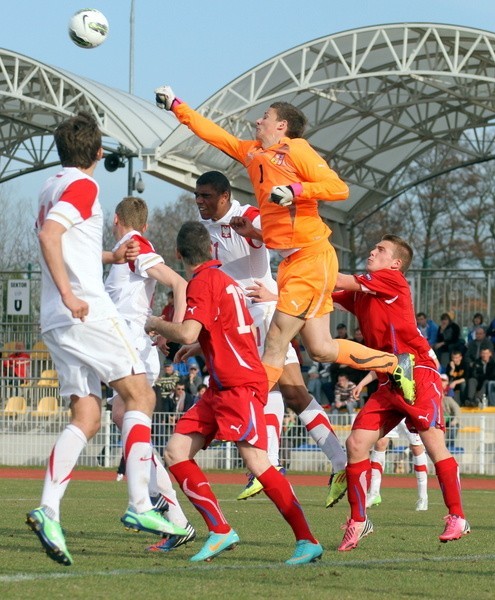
(169,278)
(204,128)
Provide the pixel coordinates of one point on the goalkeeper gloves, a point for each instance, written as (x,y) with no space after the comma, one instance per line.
(165,97)
(284,195)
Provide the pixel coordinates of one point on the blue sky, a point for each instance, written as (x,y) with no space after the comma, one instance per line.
(197,47)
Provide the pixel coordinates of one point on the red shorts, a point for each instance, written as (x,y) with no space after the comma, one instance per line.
(233,415)
(387,407)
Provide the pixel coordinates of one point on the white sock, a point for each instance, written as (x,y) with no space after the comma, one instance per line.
(136,440)
(62,461)
(377,467)
(274,415)
(164,487)
(421,470)
(316,421)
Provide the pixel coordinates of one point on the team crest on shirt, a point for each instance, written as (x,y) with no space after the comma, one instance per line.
(278,159)
(226,231)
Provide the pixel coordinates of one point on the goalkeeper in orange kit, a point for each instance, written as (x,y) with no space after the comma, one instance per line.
(289,178)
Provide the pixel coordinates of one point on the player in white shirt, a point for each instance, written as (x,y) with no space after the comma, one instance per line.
(131,286)
(247,261)
(87,339)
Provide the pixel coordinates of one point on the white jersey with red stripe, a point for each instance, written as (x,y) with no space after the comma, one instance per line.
(242,258)
(129,284)
(71,198)
(246,260)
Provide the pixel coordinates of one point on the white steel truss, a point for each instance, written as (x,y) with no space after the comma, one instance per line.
(35,98)
(377,99)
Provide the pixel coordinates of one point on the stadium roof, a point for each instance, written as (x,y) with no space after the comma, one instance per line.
(377,99)
(35,98)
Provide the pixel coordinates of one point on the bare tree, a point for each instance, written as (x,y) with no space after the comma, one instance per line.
(18,243)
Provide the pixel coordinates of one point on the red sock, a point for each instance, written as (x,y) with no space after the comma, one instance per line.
(280,492)
(358,475)
(448,476)
(196,487)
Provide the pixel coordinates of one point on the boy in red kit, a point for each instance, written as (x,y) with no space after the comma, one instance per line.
(381,300)
(232,407)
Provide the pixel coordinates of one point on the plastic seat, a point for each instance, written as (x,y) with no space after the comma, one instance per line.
(15,409)
(47,408)
(48,378)
(12,346)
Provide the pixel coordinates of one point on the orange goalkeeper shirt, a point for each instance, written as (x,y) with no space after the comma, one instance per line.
(289,161)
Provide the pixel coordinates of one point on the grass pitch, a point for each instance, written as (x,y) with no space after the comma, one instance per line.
(402,559)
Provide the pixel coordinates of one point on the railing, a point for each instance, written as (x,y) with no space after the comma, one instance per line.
(27,439)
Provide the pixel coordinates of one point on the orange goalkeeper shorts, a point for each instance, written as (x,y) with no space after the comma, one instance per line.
(306,280)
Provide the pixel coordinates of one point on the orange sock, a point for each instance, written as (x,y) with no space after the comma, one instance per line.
(273,374)
(358,356)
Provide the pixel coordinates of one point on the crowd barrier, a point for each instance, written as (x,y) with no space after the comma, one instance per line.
(27,437)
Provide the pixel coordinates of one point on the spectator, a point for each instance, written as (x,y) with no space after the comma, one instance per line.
(201,390)
(480,342)
(314,381)
(342,331)
(181,400)
(344,401)
(166,383)
(427,327)
(16,366)
(477,322)
(458,373)
(193,379)
(482,372)
(490,332)
(358,337)
(452,414)
(448,339)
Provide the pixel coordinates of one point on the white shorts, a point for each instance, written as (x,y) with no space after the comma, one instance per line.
(92,352)
(413,439)
(147,353)
(262,314)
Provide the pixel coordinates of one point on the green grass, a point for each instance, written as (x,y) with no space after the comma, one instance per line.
(402,559)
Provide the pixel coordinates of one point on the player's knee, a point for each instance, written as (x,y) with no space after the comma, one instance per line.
(296,398)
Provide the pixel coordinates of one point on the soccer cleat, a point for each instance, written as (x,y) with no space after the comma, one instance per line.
(120,477)
(160,503)
(455,528)
(305,552)
(403,376)
(151,521)
(216,544)
(172,542)
(422,503)
(50,535)
(354,531)
(337,488)
(373,500)
(253,486)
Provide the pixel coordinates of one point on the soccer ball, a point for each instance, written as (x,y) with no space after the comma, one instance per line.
(88,28)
